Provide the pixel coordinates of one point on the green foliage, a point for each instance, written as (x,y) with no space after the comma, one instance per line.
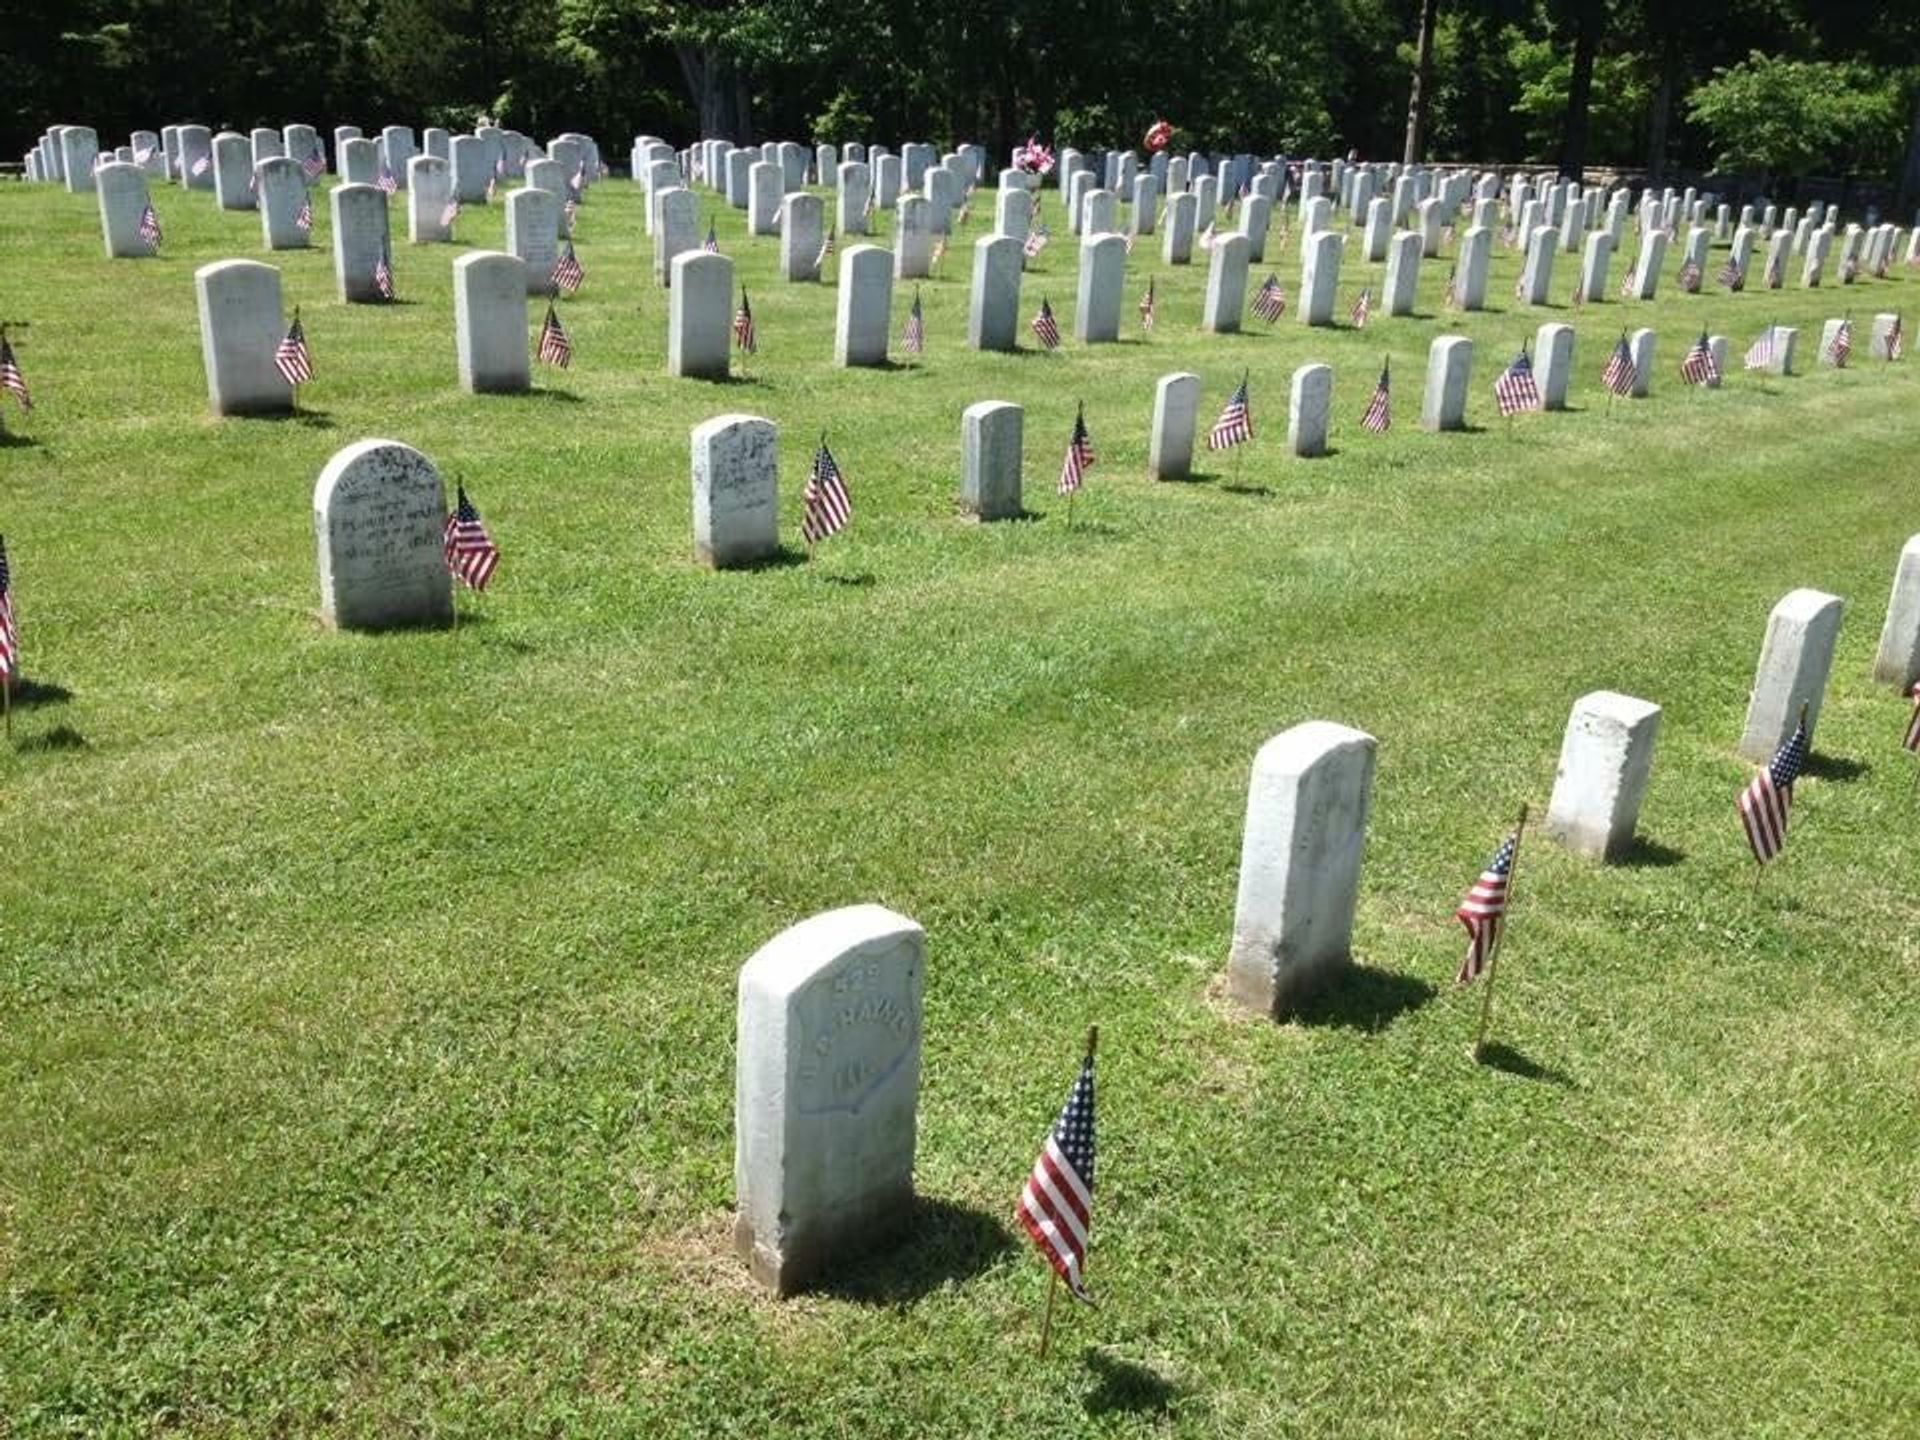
(841,121)
(1785,116)
(1542,70)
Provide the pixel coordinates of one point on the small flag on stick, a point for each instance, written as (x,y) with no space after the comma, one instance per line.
(471,555)
(10,376)
(1080,456)
(291,357)
(556,347)
(1619,376)
(1270,301)
(913,338)
(1235,425)
(743,334)
(1764,804)
(1379,414)
(1046,327)
(150,229)
(826,507)
(568,273)
(1700,368)
(1516,390)
(1147,308)
(1056,1204)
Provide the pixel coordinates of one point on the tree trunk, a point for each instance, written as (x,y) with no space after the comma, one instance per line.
(1422,83)
(1588,21)
(1909,189)
(721,100)
(1662,107)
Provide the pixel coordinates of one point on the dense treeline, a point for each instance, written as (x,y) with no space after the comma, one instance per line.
(1778,87)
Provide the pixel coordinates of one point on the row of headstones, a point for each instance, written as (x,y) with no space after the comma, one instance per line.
(829,1013)
(199,159)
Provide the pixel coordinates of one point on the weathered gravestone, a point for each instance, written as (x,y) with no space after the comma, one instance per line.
(1606,757)
(533,237)
(1176,410)
(913,239)
(864,306)
(736,490)
(1449,371)
(379,517)
(1470,270)
(1403,273)
(1309,409)
(765,191)
(1536,278)
(1299,864)
(232,171)
(1176,246)
(1553,361)
(1794,661)
(265,143)
(123,200)
(826,1091)
(699,316)
(359,161)
(1897,661)
(854,186)
(396,149)
(79,148)
(1640,345)
(472,168)
(1103,269)
(993,306)
(1226,294)
(360,242)
(1594,265)
(196,157)
(240,329)
(429,189)
(676,229)
(490,323)
(991,437)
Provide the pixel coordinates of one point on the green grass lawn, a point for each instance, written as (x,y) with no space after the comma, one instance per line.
(367,1003)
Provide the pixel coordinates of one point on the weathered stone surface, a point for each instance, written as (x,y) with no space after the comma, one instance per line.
(533,236)
(1606,758)
(429,188)
(863,312)
(1897,661)
(802,234)
(122,197)
(1449,371)
(1553,364)
(490,323)
(700,316)
(1403,273)
(240,328)
(379,512)
(991,438)
(1794,661)
(1320,277)
(1309,410)
(736,490)
(1103,270)
(1226,294)
(826,1092)
(993,306)
(1300,864)
(1176,407)
(232,171)
(360,241)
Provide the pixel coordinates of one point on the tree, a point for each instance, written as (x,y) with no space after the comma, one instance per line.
(1422,81)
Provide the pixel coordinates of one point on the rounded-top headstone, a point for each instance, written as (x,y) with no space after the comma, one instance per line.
(379,513)
(240,329)
(736,490)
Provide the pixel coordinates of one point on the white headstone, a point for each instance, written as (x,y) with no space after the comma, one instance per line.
(1594,265)
(1605,760)
(1794,661)
(1536,278)
(196,145)
(265,144)
(913,239)
(765,190)
(359,161)
(472,168)
(232,171)
(123,200)
(490,322)
(827,1085)
(1310,408)
(1103,270)
(1320,277)
(991,437)
(429,188)
(1176,246)
(676,228)
(360,241)
(802,233)
(1403,273)
(1470,268)
(1553,362)
(282,187)
(240,328)
(1640,344)
(379,513)
(736,490)
(993,306)
(533,237)
(396,149)
(700,316)
(863,313)
(1449,371)
(854,185)
(1897,661)
(1176,409)
(1226,293)
(79,146)
(1300,864)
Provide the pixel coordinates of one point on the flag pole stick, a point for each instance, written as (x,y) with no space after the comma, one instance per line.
(1046,1325)
(1493,960)
(6,689)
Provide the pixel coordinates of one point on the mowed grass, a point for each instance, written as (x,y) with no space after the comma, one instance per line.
(367,1055)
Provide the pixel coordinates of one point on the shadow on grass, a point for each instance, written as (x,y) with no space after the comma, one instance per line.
(1835,768)
(1363,998)
(1256,490)
(303,415)
(1646,854)
(859,580)
(13,440)
(30,694)
(61,737)
(942,1241)
(1509,1061)
(1127,1386)
(784,558)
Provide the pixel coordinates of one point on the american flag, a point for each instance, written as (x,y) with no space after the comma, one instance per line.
(150,229)
(1515,390)
(568,212)
(201,166)
(143,154)
(1841,346)
(383,277)
(493,188)
(1147,307)
(1760,353)
(1733,275)
(470,552)
(253,182)
(555,346)
(1764,804)
(1699,368)
(1510,237)
(1379,416)
(1270,301)
(866,210)
(579,179)
(1690,278)
(826,249)
(314,164)
(1520,287)
(913,338)
(386,181)
(1619,376)
(712,245)
(1484,912)
(1235,424)
(9,632)
(1046,327)
(10,376)
(1627,288)
(825,505)
(1912,738)
(1450,297)
(1362,308)
(291,357)
(1037,239)
(303,217)
(1080,456)
(567,271)
(449,213)
(939,251)
(743,335)
(1777,272)
(1056,1204)
(1578,298)
(1206,237)
(1896,341)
